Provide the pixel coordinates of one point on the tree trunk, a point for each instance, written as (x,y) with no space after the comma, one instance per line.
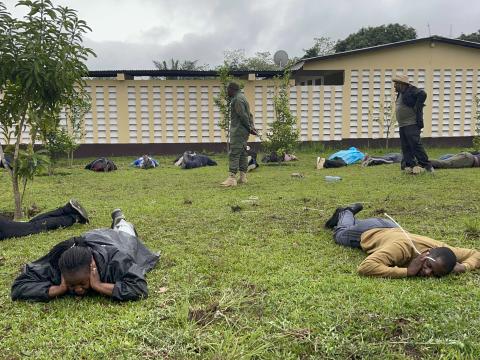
(16,190)
(18,198)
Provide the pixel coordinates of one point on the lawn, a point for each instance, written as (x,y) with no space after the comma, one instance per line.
(264,281)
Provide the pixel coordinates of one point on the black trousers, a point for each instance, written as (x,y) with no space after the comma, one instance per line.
(62,217)
(412,148)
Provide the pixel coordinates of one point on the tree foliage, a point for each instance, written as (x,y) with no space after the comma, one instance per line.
(237,60)
(475,37)
(476,137)
(43,63)
(282,135)
(384,115)
(175,64)
(322,46)
(373,36)
(222,100)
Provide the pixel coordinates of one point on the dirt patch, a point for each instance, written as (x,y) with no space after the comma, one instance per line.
(413,352)
(33,210)
(204,316)
(7,214)
(236,208)
(379,211)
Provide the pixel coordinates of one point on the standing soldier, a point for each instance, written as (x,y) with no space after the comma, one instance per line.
(241,125)
(409,113)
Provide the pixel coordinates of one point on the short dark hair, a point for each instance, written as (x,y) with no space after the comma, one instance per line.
(446,256)
(234,86)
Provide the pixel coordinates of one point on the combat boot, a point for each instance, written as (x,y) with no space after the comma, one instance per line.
(243,178)
(231,181)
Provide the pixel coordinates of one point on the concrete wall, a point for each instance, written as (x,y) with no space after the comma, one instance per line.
(176,114)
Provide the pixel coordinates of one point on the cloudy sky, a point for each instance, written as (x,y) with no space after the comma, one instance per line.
(129,34)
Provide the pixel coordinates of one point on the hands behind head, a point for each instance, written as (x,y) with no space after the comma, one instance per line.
(94,276)
(416,264)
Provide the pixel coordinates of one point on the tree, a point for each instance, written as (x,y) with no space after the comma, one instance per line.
(323,46)
(222,100)
(373,36)
(475,37)
(476,137)
(385,117)
(282,136)
(42,72)
(237,60)
(175,64)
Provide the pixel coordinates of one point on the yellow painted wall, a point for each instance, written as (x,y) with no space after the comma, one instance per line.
(448,73)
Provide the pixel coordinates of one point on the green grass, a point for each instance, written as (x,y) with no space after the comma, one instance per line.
(263,282)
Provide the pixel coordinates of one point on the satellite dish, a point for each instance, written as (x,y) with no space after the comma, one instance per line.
(280,58)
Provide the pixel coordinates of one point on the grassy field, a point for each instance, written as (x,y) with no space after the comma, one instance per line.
(263,282)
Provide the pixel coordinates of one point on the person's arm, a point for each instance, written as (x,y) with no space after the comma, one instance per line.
(130,286)
(35,284)
(383,263)
(57,290)
(96,284)
(418,108)
(241,110)
(467,259)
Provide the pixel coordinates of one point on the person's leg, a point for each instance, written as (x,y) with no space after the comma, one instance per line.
(234,159)
(243,161)
(126,227)
(334,163)
(349,230)
(459,161)
(415,144)
(61,211)
(9,229)
(408,160)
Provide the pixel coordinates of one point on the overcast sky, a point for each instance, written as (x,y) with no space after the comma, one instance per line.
(129,34)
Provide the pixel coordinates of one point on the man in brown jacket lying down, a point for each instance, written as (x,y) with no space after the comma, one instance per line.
(392,253)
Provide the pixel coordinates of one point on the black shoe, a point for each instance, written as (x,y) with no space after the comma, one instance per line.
(355,208)
(117,215)
(333,221)
(80,210)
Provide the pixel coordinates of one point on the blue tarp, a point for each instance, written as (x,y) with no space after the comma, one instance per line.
(350,156)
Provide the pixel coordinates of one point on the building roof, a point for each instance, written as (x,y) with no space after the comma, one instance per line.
(181,73)
(433,38)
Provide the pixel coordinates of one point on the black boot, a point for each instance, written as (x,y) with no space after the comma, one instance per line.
(117,215)
(333,221)
(80,211)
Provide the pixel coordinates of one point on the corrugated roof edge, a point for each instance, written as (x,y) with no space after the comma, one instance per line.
(458,42)
(179,73)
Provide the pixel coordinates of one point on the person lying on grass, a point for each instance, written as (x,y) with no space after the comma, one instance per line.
(111,262)
(65,216)
(394,253)
(458,161)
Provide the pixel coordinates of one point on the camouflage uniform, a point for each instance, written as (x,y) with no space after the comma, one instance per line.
(240,125)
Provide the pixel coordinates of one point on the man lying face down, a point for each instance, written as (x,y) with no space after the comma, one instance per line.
(192,160)
(392,253)
(111,262)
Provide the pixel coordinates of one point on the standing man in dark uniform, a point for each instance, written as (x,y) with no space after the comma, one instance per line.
(409,112)
(241,126)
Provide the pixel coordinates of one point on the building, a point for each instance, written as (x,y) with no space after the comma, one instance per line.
(340,98)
